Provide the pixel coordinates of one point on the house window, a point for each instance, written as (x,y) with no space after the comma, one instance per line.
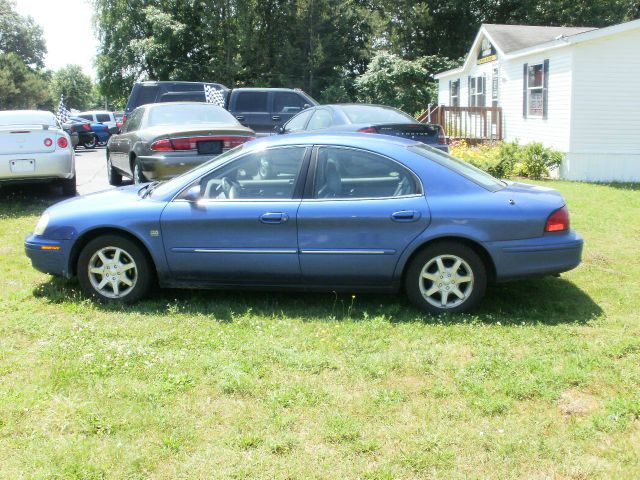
(477,91)
(454,91)
(535,79)
(494,88)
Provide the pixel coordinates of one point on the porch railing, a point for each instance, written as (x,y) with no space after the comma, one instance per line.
(472,124)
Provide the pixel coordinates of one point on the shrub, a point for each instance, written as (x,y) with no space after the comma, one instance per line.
(506,159)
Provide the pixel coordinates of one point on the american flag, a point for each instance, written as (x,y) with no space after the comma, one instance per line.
(63,113)
(213,95)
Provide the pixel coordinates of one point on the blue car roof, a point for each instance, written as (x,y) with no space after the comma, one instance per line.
(348,139)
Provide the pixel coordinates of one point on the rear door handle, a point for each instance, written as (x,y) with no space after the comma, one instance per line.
(274,217)
(240,117)
(405,216)
(275,117)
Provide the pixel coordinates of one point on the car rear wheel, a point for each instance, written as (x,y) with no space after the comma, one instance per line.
(113,269)
(90,143)
(138,176)
(113,176)
(446,277)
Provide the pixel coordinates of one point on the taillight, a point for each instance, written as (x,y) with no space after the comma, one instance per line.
(124,119)
(119,125)
(86,126)
(368,130)
(48,142)
(442,140)
(191,143)
(62,142)
(558,221)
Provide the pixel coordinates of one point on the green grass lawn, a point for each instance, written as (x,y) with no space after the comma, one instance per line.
(543,381)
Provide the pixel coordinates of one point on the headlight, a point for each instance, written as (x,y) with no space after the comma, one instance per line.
(41,226)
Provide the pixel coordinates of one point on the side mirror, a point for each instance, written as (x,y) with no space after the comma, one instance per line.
(280,130)
(305,106)
(193,194)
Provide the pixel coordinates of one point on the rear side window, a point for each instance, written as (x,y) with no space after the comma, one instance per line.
(344,173)
(251,102)
(288,102)
(86,117)
(134,121)
(103,117)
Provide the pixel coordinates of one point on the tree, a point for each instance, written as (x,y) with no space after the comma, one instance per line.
(20,87)
(21,36)
(405,84)
(76,87)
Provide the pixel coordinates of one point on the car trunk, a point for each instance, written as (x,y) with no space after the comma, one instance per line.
(205,139)
(25,140)
(413,131)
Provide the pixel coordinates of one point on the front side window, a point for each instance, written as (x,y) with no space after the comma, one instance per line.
(288,102)
(321,119)
(344,173)
(297,123)
(262,175)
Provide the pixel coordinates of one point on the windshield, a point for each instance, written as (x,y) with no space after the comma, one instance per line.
(459,166)
(375,114)
(189,114)
(170,186)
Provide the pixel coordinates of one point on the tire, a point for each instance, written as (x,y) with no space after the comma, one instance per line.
(68,186)
(432,285)
(90,144)
(113,176)
(129,275)
(138,176)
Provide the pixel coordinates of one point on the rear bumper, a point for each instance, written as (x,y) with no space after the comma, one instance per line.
(164,166)
(44,258)
(49,165)
(550,254)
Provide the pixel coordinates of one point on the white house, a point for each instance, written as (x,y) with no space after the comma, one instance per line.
(576,89)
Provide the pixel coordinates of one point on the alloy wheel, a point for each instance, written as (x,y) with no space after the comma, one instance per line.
(113,272)
(446,281)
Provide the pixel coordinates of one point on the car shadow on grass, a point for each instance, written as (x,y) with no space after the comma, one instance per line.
(25,200)
(549,301)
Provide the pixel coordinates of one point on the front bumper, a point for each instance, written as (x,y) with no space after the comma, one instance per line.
(164,166)
(549,254)
(48,256)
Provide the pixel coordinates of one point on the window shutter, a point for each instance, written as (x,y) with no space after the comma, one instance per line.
(484,91)
(525,69)
(545,88)
(469,91)
(450,93)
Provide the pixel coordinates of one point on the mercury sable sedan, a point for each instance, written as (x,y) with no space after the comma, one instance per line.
(361,212)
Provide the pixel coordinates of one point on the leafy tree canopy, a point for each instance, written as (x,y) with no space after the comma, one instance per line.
(21,36)
(76,87)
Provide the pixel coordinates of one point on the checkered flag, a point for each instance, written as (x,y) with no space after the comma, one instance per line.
(63,113)
(213,95)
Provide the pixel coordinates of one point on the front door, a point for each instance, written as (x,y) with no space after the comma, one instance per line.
(243,230)
(364,211)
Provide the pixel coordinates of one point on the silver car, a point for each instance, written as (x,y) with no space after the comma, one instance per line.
(34,148)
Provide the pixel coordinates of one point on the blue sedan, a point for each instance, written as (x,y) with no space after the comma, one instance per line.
(344,212)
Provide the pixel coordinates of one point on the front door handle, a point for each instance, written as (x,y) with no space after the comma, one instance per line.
(274,217)
(405,216)
(275,117)
(240,117)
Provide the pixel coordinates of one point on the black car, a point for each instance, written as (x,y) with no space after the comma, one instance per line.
(82,129)
(357,117)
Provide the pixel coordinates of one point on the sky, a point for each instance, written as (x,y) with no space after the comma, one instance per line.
(68,31)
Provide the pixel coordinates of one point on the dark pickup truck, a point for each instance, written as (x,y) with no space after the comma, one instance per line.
(261,109)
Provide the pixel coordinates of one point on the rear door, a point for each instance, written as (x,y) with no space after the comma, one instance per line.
(120,145)
(243,230)
(361,213)
(251,108)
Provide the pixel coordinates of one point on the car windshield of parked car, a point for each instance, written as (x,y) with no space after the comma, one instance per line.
(374,114)
(459,166)
(172,114)
(170,186)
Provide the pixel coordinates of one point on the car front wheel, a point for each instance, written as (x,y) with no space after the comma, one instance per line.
(113,269)
(446,277)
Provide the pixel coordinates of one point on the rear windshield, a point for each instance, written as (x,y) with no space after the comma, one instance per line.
(27,118)
(459,166)
(189,114)
(374,114)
